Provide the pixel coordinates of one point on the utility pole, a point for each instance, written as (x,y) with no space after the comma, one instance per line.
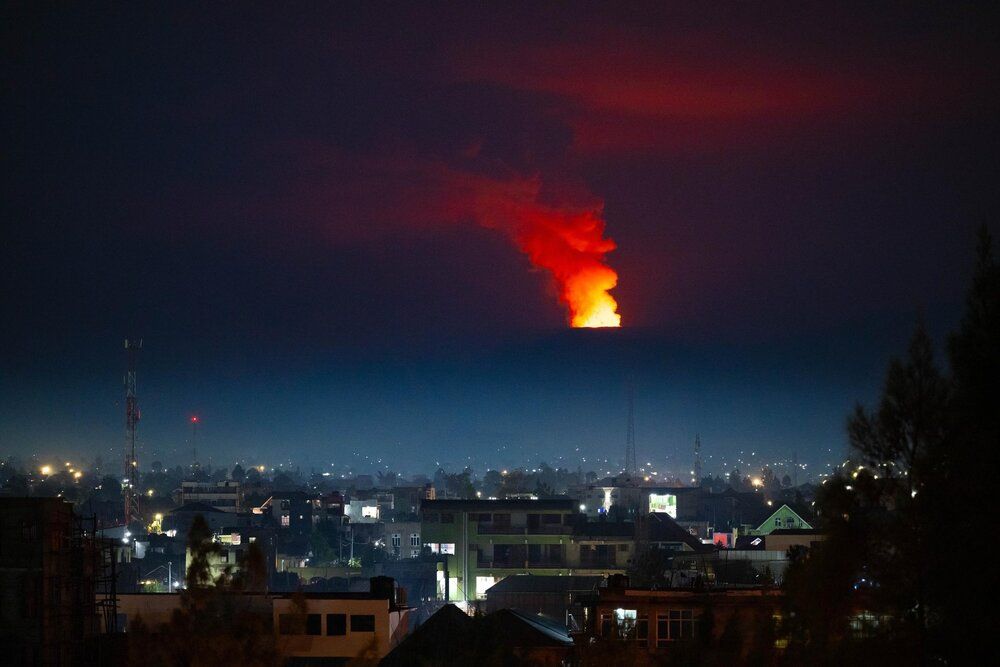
(130,480)
(630,466)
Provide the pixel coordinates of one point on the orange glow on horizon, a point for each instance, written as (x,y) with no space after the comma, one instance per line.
(600,316)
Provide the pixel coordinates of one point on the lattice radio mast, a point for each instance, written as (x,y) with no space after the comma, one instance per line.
(630,466)
(697,460)
(130,480)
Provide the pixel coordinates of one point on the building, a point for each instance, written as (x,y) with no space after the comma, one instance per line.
(232,544)
(636,496)
(726,622)
(312,628)
(483,541)
(52,567)
(342,625)
(401,538)
(782,539)
(328,507)
(290,510)
(782,518)
(506,636)
(363,511)
(662,532)
(178,521)
(226,496)
(602,547)
(552,596)
(407,499)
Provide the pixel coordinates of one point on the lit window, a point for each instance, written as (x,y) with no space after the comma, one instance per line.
(626,619)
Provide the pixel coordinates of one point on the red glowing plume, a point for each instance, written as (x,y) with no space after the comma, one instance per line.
(566,241)
(561,233)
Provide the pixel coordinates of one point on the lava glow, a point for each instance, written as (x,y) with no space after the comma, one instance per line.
(571,246)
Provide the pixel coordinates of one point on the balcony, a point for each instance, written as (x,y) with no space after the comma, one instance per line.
(554,529)
(487,529)
(599,564)
(521,564)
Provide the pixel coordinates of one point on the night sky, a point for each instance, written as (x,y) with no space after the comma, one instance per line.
(313,219)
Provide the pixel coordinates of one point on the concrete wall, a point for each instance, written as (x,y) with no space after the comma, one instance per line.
(390,628)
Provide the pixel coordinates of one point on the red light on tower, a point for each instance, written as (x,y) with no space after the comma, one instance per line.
(194,419)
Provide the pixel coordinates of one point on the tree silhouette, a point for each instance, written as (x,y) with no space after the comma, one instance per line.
(218,622)
(915,475)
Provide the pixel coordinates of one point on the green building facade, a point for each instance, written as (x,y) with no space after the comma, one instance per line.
(782,518)
(483,541)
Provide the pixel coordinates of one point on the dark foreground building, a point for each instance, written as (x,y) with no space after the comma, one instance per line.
(505,637)
(715,624)
(51,570)
(554,597)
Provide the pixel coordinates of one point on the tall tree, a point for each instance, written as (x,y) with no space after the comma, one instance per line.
(968,474)
(221,621)
(916,477)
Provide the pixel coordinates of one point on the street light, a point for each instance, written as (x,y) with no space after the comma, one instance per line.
(170,575)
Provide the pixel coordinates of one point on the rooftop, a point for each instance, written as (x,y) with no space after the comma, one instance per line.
(531,583)
(476,505)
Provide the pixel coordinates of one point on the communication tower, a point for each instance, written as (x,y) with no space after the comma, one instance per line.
(630,466)
(697,460)
(130,480)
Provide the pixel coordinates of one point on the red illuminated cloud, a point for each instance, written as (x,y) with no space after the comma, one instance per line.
(627,92)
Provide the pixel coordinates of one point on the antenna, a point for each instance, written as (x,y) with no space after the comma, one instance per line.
(630,466)
(194,442)
(130,480)
(697,460)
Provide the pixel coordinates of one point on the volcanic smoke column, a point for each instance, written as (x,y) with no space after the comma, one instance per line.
(565,239)
(571,246)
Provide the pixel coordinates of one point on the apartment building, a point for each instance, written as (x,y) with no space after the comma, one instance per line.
(226,496)
(483,541)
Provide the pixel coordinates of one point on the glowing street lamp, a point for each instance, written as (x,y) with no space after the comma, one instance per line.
(46,470)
